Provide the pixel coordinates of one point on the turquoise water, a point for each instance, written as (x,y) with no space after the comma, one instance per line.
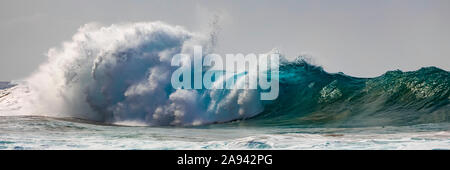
(311,97)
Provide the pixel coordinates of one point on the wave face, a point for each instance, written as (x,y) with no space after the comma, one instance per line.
(121,74)
(309,96)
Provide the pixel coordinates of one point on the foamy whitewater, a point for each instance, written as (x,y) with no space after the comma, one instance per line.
(122,73)
(110,88)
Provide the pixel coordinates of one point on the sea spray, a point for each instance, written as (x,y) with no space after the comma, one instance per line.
(122,73)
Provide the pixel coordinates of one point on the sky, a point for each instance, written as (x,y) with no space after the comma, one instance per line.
(363,38)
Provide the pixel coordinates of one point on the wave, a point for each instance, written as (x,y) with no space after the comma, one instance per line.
(121,73)
(309,96)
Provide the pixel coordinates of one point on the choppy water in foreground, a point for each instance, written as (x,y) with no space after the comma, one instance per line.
(47,133)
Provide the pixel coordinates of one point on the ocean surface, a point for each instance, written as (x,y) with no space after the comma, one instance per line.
(305,118)
(336,112)
(110,88)
(20,132)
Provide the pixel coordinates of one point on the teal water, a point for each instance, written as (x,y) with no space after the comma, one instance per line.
(311,97)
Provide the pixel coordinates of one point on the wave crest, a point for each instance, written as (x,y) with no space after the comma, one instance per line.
(122,73)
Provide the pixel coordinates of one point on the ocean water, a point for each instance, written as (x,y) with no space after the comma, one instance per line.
(110,88)
(25,132)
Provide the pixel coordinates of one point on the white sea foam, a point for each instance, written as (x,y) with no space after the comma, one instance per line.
(122,73)
(44,133)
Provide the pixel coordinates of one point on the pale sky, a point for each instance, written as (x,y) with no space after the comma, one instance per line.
(358,37)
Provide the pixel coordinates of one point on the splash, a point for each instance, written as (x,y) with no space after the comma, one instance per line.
(121,73)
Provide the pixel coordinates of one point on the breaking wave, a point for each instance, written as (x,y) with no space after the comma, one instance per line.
(121,73)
